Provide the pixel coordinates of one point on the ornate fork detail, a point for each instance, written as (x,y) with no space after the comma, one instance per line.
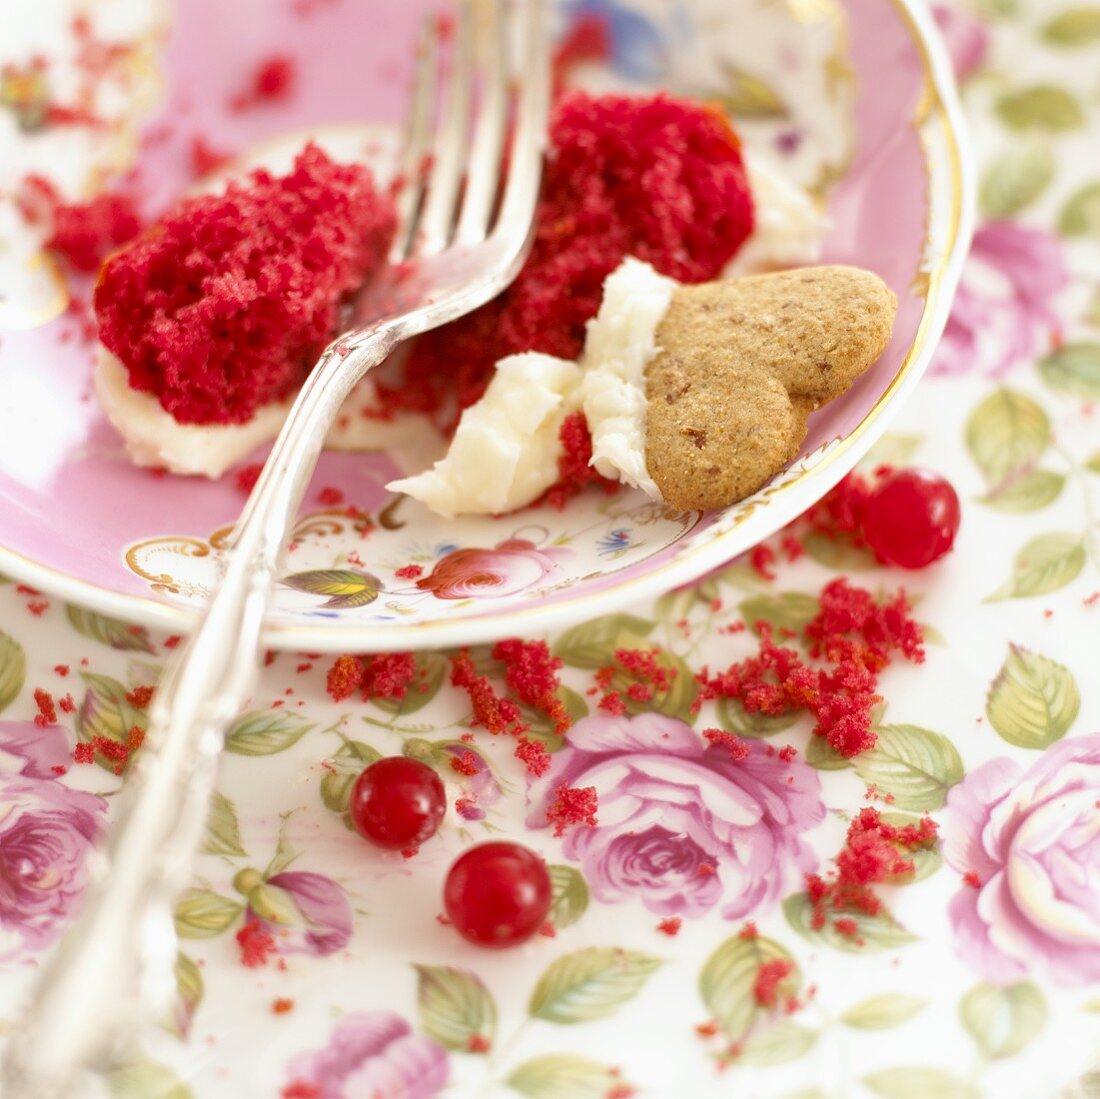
(464,228)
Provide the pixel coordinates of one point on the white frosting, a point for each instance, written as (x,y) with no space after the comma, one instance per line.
(789,226)
(505,451)
(154,437)
(619,344)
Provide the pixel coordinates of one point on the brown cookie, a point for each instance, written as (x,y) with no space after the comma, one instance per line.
(742,365)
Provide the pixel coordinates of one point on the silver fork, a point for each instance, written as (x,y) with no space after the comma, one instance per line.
(456,247)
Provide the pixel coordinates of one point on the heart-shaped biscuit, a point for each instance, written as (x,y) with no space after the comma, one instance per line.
(742,365)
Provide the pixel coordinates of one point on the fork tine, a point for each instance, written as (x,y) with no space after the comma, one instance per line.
(452,138)
(417,135)
(483,176)
(521,192)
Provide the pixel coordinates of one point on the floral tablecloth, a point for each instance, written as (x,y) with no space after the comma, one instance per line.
(980,976)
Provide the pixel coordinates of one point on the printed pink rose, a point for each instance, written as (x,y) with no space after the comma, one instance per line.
(1003,313)
(47,831)
(370,1054)
(966,39)
(1029,843)
(306,912)
(683,826)
(513,566)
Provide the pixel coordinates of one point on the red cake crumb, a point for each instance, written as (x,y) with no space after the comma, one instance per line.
(140,697)
(344,677)
(857,635)
(769,980)
(874,852)
(84,233)
(972,879)
(224,304)
(84,753)
(172,641)
(272,81)
(737,747)
(247,476)
(466,764)
(533,755)
(762,559)
(59,769)
(654,177)
(478,1043)
(670,926)
(838,515)
(574,472)
(531,673)
(67,704)
(61,669)
(205,158)
(708,1029)
(301,1089)
(46,715)
(788,753)
(388,675)
(748,931)
(409,572)
(329,497)
(491,711)
(282,1005)
(256,943)
(573,805)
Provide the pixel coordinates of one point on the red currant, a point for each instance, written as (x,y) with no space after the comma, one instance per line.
(497,894)
(911,518)
(398,802)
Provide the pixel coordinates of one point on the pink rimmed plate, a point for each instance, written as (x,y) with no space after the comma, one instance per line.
(857,99)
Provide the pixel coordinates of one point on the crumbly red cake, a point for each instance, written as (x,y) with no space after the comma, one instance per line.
(224,304)
(656,177)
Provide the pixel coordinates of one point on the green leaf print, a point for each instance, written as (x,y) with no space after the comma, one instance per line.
(1073,369)
(454,1006)
(223,831)
(873,933)
(1092,463)
(349,762)
(203,914)
(820,754)
(345,587)
(917,1082)
(190,989)
(915,765)
(1081,214)
(590,984)
(1075,27)
(1006,435)
(734,718)
(1042,107)
(569,895)
(777,1044)
(837,553)
(748,96)
(788,610)
(565,1076)
(1030,492)
(109,631)
(592,645)
(13,669)
(265,732)
(106,714)
(145,1079)
(727,979)
(890,1009)
(1003,1019)
(1033,701)
(1015,179)
(1043,565)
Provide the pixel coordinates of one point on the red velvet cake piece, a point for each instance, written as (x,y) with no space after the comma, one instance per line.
(658,178)
(222,306)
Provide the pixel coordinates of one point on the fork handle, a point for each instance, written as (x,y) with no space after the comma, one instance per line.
(118,957)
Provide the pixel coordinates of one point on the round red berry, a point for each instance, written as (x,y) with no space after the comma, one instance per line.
(911,518)
(398,802)
(497,894)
